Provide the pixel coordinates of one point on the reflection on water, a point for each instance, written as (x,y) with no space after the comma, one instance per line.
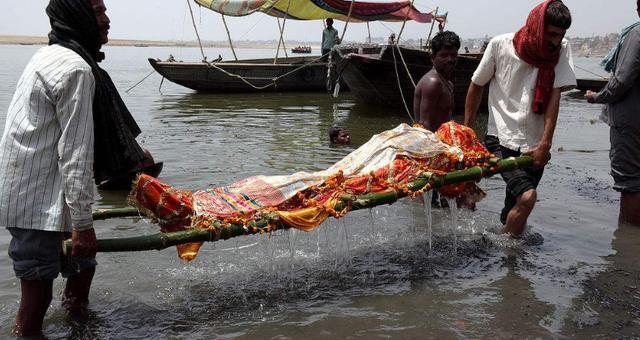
(371,274)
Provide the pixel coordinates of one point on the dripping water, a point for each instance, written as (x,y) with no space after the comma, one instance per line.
(426,198)
(453,209)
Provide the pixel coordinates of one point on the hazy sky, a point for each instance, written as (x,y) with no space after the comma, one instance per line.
(169,20)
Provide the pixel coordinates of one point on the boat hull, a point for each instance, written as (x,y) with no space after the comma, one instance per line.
(595,85)
(373,78)
(260,73)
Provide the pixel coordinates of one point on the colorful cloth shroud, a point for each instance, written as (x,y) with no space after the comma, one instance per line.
(321,9)
(389,161)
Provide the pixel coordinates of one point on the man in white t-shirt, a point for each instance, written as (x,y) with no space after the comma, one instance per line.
(526,72)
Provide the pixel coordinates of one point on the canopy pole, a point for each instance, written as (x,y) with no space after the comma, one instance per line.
(428,42)
(346,23)
(369,32)
(281,28)
(193,21)
(406,16)
(224,21)
(284,22)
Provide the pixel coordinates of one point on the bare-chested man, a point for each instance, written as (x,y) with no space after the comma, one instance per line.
(433,98)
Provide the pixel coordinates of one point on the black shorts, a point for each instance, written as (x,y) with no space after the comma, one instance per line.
(518,181)
(37,255)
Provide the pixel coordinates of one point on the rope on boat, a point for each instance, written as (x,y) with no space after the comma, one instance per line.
(395,66)
(138,83)
(274,80)
(193,21)
(592,73)
(406,67)
(233,50)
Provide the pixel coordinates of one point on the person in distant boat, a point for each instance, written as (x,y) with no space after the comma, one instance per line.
(466,49)
(526,73)
(171,59)
(392,39)
(329,38)
(339,135)
(66,126)
(433,96)
(622,98)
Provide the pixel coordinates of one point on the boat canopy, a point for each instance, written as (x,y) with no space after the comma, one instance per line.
(321,9)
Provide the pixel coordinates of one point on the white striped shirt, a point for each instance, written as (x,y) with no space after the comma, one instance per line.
(46,151)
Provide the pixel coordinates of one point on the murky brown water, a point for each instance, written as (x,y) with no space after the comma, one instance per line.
(368,275)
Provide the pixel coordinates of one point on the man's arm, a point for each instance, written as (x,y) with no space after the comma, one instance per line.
(74,110)
(625,75)
(429,91)
(472,103)
(541,152)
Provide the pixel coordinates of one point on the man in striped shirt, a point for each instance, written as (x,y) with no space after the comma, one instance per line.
(47,163)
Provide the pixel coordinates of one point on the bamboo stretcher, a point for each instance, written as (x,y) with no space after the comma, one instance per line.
(271,222)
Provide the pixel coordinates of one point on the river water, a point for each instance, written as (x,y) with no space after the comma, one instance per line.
(368,275)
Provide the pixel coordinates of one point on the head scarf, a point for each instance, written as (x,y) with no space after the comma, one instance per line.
(74,26)
(609,62)
(531,47)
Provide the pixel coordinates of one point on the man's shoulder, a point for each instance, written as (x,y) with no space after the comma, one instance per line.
(506,38)
(430,81)
(67,58)
(635,32)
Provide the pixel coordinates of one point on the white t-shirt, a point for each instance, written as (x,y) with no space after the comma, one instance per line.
(511,90)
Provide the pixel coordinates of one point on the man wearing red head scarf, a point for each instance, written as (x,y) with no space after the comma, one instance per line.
(526,72)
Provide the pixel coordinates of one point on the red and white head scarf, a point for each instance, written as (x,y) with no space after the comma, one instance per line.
(531,47)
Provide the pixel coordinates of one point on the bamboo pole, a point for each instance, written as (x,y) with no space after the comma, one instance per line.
(404,22)
(271,222)
(224,21)
(281,41)
(428,42)
(346,23)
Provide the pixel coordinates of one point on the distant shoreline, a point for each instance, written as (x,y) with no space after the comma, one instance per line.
(31,40)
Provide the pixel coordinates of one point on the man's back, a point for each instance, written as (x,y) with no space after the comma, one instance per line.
(48,122)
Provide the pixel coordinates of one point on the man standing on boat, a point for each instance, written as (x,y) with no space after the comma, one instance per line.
(622,98)
(329,38)
(433,97)
(65,125)
(526,73)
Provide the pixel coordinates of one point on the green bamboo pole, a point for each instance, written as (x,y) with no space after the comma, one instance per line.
(270,222)
(103,214)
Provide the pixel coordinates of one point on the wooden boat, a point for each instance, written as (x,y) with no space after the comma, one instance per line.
(124,182)
(301,49)
(372,74)
(288,74)
(591,84)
